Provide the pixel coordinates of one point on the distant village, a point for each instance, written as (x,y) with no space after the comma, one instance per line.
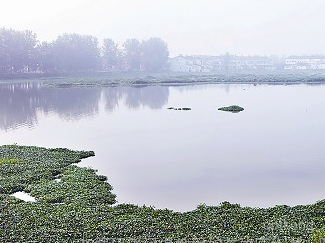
(204,64)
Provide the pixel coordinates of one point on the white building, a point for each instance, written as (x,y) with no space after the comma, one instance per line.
(186,64)
(215,63)
(250,63)
(305,63)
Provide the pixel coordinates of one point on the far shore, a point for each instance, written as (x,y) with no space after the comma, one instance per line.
(91,79)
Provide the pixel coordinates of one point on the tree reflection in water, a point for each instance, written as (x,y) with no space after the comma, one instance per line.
(21,102)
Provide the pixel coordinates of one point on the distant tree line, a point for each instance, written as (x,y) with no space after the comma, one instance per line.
(22,52)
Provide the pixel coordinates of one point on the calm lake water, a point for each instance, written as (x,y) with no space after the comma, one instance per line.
(271,153)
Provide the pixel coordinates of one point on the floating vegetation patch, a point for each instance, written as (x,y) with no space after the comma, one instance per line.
(80,207)
(77,185)
(4,161)
(232,108)
(180,109)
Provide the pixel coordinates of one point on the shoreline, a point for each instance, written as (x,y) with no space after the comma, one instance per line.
(173,79)
(82,203)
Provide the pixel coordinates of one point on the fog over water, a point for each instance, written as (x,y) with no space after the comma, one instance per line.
(207,27)
(271,153)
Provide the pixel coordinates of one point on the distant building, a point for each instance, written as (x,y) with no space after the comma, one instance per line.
(215,63)
(185,64)
(251,63)
(305,63)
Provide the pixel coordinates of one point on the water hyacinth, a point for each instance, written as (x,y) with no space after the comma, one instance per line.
(82,206)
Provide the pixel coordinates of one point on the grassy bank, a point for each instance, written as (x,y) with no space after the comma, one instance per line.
(82,205)
(170,78)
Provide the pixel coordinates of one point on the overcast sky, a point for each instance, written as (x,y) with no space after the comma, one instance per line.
(208,27)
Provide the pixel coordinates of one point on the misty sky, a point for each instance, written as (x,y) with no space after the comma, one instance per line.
(208,27)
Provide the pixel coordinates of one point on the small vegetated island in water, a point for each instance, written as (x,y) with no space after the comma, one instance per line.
(179,109)
(232,108)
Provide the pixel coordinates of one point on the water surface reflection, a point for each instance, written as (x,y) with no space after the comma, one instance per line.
(21,102)
(272,153)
